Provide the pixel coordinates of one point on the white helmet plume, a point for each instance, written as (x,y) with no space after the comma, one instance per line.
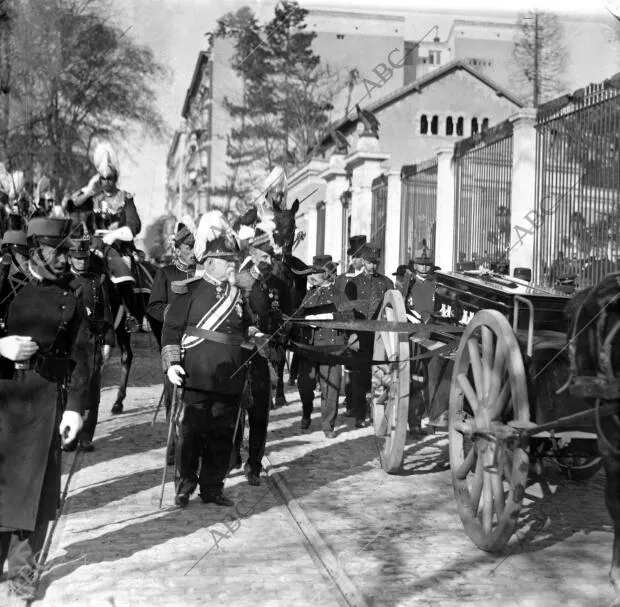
(106,161)
(6,183)
(212,225)
(18,181)
(43,186)
(276,183)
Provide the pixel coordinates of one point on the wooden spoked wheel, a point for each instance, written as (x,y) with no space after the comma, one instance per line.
(390,385)
(489,466)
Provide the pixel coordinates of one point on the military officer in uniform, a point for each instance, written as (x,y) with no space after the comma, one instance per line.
(268,297)
(89,275)
(182,268)
(354,252)
(320,302)
(43,391)
(201,351)
(367,288)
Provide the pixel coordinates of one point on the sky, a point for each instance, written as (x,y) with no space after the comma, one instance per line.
(175,30)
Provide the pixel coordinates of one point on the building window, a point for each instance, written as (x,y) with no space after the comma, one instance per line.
(320,228)
(459,127)
(340,36)
(485,124)
(435,125)
(449,126)
(434,57)
(423,125)
(474,126)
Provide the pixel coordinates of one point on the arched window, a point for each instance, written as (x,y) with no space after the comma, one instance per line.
(449,126)
(459,127)
(435,125)
(474,125)
(423,125)
(485,124)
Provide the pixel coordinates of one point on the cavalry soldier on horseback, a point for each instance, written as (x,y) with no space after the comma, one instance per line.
(89,274)
(42,390)
(268,297)
(111,217)
(201,351)
(320,302)
(162,296)
(368,288)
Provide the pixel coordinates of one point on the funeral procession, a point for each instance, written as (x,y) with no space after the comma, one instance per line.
(309,304)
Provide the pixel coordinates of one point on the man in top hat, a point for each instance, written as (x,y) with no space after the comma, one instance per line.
(102,206)
(182,268)
(354,252)
(320,303)
(88,273)
(203,331)
(268,298)
(367,290)
(43,391)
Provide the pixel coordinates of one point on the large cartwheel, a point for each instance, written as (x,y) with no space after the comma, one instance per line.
(390,385)
(489,467)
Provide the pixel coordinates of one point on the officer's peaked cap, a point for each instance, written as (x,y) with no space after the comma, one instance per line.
(80,248)
(371,253)
(16,237)
(49,230)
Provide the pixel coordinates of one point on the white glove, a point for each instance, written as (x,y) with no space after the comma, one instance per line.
(70,425)
(105,353)
(93,183)
(17,347)
(110,238)
(176,375)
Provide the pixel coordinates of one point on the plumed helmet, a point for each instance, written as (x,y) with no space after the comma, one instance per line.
(215,237)
(276,185)
(106,161)
(263,237)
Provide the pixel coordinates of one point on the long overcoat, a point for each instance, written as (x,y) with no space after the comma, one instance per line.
(32,400)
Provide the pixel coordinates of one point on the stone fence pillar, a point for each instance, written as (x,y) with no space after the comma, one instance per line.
(444,232)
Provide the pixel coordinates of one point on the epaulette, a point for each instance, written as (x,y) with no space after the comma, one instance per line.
(180,287)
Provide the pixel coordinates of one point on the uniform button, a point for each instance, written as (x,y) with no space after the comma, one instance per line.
(63,307)
(66,293)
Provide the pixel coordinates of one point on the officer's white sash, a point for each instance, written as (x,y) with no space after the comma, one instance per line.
(222,309)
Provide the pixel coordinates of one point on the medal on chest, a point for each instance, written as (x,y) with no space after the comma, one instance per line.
(239,310)
(274,299)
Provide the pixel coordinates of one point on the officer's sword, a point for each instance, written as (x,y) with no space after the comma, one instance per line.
(161,400)
(173,420)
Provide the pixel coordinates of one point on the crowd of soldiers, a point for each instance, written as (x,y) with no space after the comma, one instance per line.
(223,333)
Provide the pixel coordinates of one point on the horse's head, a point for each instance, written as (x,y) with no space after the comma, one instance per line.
(284,233)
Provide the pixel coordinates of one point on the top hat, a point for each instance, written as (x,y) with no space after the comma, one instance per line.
(52,231)
(401,270)
(355,245)
(15,237)
(370,253)
(184,235)
(80,248)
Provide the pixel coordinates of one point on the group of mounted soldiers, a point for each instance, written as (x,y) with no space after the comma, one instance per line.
(223,333)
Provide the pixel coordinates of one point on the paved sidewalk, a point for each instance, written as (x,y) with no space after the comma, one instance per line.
(328,528)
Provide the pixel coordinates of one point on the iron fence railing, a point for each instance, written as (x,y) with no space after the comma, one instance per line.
(483,183)
(577,217)
(379,216)
(418,208)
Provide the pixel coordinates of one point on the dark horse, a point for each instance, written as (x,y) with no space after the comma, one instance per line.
(594,351)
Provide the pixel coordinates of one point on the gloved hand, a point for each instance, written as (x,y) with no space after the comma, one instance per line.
(105,353)
(17,347)
(70,425)
(110,238)
(176,375)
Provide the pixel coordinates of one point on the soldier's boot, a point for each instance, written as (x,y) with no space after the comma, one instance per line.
(125,290)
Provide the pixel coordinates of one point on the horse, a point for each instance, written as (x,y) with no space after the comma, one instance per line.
(594,351)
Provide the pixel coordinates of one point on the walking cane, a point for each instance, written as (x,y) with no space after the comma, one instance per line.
(161,400)
(173,420)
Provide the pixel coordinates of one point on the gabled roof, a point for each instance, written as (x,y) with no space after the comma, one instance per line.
(203,59)
(426,80)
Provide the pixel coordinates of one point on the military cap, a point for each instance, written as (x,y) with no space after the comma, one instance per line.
(319,262)
(355,245)
(370,253)
(401,270)
(80,248)
(49,230)
(16,237)
(184,235)
(222,248)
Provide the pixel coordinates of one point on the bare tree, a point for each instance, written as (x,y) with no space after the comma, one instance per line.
(540,57)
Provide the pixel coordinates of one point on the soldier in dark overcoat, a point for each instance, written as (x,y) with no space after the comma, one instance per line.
(268,298)
(42,390)
(201,351)
(367,288)
(14,273)
(355,267)
(182,268)
(88,272)
(321,302)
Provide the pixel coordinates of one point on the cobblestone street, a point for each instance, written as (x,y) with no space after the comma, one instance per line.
(326,527)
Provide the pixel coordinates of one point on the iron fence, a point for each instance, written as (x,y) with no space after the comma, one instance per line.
(483,183)
(577,217)
(379,216)
(418,208)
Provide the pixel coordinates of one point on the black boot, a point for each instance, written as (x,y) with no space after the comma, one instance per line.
(125,290)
